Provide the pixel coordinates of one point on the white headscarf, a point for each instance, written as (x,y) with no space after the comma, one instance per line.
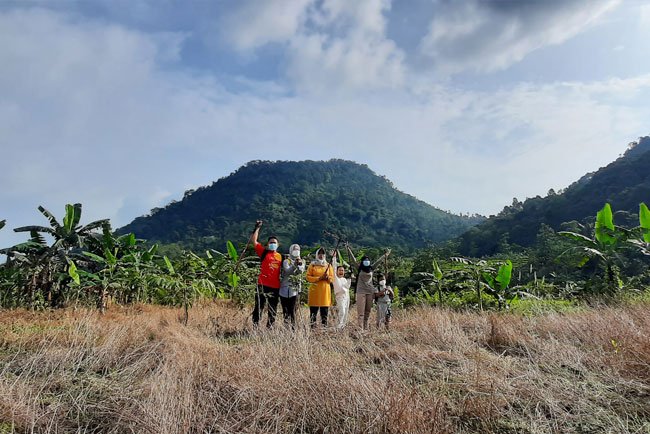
(317,261)
(293,248)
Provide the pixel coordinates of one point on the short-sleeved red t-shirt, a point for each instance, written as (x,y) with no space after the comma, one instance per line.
(270,268)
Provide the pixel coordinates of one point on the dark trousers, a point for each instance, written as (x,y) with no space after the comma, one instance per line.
(289,310)
(313,311)
(262,295)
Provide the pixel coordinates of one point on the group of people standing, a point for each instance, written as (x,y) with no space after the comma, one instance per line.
(280,280)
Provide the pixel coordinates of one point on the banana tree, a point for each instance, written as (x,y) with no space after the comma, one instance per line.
(497,283)
(39,268)
(604,247)
(108,284)
(234,271)
(477,269)
(643,243)
(183,286)
(233,278)
(136,266)
(431,280)
(68,234)
(49,267)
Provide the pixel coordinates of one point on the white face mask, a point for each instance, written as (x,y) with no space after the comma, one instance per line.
(366,263)
(382,283)
(295,253)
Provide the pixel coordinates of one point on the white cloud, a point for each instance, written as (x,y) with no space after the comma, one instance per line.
(492,35)
(90,113)
(330,45)
(252,24)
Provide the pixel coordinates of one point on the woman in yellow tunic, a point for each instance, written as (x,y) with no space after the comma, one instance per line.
(320,274)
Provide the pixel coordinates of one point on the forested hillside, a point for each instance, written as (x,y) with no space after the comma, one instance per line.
(298,200)
(624,184)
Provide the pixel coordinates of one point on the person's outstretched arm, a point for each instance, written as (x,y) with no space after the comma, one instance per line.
(259,249)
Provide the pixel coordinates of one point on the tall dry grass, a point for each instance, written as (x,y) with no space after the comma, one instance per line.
(141,370)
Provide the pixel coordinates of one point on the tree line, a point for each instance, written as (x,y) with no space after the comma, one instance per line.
(68,263)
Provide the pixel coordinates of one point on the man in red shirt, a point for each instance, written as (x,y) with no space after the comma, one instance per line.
(268,283)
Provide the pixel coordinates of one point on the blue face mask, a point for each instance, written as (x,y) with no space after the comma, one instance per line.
(273,246)
(366,263)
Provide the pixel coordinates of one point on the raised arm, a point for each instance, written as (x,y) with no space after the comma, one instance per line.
(335,263)
(256,232)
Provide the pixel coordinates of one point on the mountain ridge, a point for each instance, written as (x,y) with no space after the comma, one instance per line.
(623,183)
(298,200)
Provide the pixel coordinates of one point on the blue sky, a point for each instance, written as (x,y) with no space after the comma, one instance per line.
(124,105)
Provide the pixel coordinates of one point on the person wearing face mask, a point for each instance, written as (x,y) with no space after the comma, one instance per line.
(341,292)
(268,282)
(384,297)
(365,292)
(320,274)
(290,284)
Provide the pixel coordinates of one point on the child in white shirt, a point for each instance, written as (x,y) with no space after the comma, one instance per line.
(384,298)
(341,292)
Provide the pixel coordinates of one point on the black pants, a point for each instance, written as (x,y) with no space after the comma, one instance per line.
(262,294)
(289,309)
(313,311)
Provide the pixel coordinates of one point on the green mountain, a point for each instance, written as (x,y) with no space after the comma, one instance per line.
(298,201)
(624,184)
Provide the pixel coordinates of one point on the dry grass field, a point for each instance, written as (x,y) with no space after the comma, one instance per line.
(140,370)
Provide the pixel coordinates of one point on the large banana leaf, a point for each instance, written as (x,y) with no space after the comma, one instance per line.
(437,272)
(127,239)
(95,257)
(233,280)
(111,258)
(96,225)
(25,248)
(232,251)
(107,236)
(36,229)
(53,222)
(504,275)
(72,272)
(149,254)
(605,226)
(169,265)
(577,237)
(37,238)
(644,220)
(72,216)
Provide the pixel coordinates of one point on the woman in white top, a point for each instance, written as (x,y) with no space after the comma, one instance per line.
(290,284)
(341,292)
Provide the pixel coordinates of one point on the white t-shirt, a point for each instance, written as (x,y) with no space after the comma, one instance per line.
(341,284)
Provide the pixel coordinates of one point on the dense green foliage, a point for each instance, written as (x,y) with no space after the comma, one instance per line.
(88,264)
(624,184)
(298,200)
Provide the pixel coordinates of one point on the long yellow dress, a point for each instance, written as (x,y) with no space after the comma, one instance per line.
(320,292)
